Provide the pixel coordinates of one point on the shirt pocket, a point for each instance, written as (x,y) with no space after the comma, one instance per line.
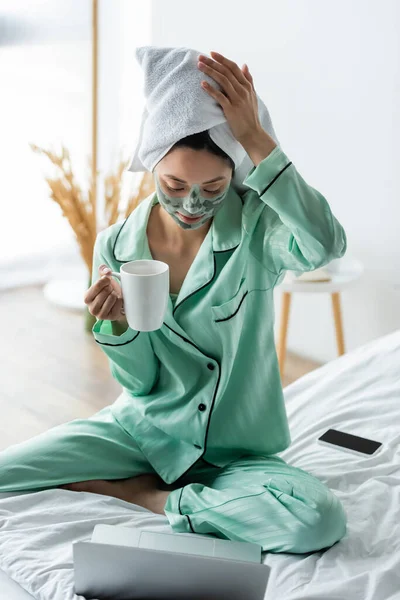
(229,309)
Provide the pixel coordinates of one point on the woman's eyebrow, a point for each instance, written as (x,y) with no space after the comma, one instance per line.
(183,181)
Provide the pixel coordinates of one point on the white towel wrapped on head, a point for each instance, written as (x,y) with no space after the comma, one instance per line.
(177,106)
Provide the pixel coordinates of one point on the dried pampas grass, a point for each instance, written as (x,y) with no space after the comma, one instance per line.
(79,208)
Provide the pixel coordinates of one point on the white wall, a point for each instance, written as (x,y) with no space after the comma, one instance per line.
(44,100)
(45,69)
(329,73)
(123,25)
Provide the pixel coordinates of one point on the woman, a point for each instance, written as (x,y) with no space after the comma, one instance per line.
(196,431)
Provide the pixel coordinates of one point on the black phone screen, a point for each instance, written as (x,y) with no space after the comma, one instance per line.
(352,442)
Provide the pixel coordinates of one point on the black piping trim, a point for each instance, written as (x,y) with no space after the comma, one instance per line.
(184,339)
(199,289)
(236,311)
(275,178)
(211,465)
(228,250)
(116,240)
(180,511)
(208,282)
(214,396)
(179,501)
(212,407)
(123,344)
(190,523)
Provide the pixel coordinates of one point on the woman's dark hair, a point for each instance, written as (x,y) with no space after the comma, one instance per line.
(203,141)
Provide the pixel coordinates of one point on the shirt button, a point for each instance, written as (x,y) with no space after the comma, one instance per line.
(202,407)
(210,366)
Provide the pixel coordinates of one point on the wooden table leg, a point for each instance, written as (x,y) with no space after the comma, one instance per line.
(286,299)
(337,315)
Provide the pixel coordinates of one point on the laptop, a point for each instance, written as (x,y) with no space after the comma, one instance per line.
(122,563)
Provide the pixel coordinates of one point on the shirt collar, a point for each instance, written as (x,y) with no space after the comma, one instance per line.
(131,241)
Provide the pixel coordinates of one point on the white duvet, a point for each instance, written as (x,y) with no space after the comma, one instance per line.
(358,393)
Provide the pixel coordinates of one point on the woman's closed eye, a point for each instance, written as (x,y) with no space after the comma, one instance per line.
(174,189)
(181,189)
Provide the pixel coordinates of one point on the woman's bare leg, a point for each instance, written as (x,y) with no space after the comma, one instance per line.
(145,490)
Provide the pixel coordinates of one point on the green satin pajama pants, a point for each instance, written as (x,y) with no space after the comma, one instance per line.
(259,499)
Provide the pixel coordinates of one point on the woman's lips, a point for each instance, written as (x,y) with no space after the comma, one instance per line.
(189,220)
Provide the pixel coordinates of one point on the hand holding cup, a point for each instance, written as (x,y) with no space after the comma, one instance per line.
(104,298)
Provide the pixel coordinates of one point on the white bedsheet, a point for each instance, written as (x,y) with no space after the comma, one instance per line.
(10,590)
(358,393)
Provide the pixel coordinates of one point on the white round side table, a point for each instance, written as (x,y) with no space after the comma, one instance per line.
(343,273)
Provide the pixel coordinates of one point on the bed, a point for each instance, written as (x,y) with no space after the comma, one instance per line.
(358,393)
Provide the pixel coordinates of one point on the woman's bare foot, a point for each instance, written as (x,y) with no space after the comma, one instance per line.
(147,490)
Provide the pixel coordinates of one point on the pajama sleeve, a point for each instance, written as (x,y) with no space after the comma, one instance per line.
(133,362)
(295,229)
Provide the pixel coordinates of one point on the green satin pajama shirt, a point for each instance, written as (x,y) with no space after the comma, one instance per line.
(207,384)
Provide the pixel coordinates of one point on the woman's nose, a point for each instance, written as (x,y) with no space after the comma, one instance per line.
(192,204)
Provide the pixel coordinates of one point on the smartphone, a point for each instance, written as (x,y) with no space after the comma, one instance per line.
(349,443)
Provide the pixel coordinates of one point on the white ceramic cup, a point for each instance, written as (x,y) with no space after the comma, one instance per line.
(145,290)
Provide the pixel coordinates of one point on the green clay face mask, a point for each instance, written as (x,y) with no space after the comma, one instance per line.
(193,206)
